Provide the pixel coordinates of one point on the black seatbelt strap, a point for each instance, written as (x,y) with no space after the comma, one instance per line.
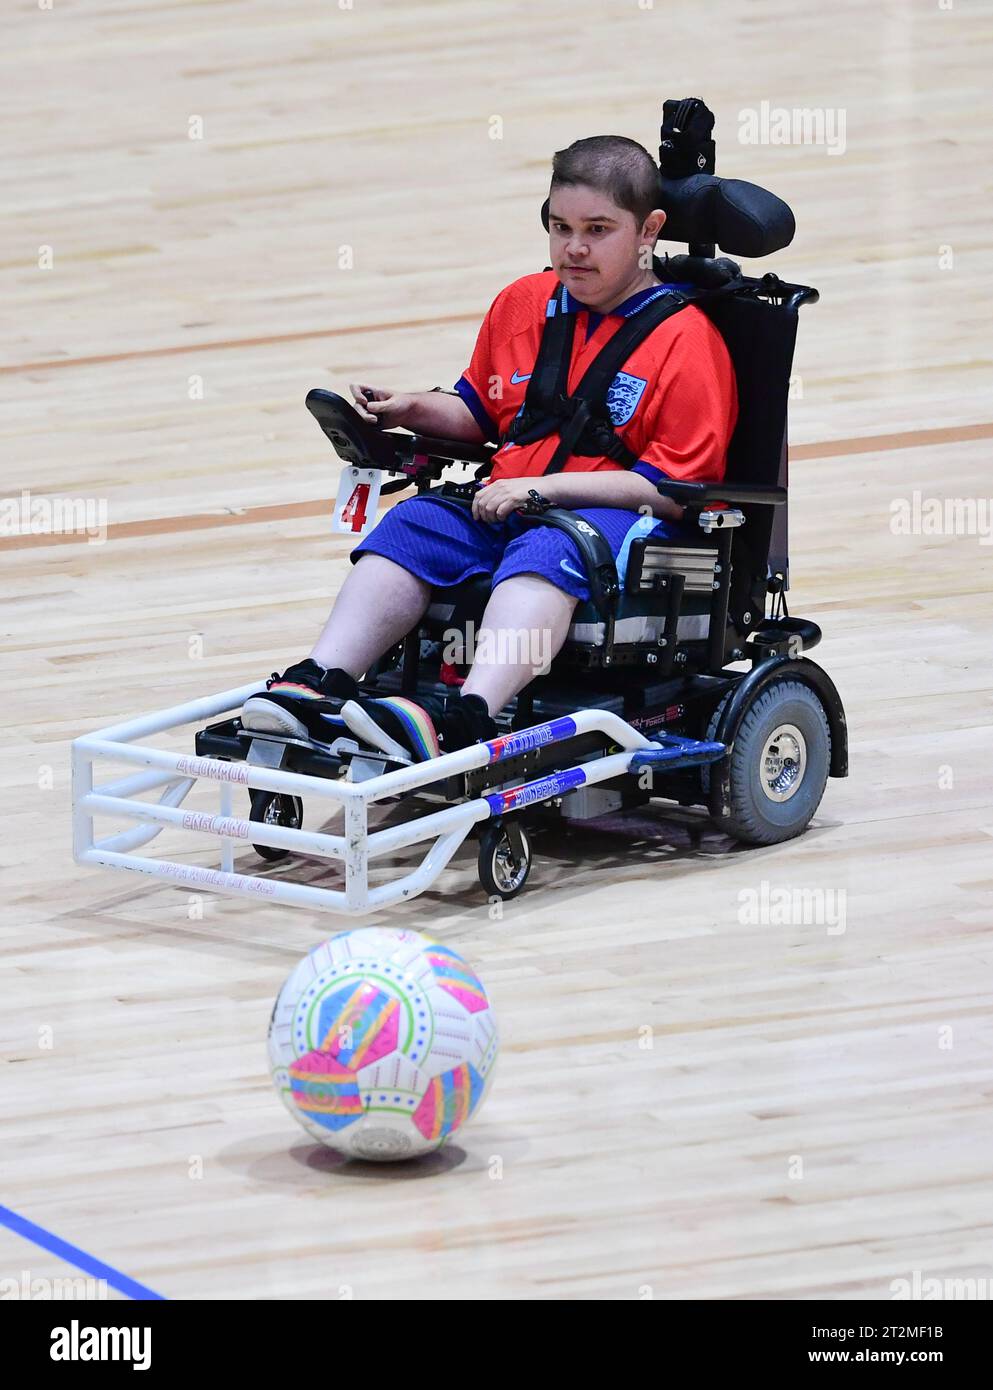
(631,334)
(591,393)
(581,420)
(550,373)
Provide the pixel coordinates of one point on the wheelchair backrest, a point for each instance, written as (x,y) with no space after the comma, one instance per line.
(758,324)
(760,334)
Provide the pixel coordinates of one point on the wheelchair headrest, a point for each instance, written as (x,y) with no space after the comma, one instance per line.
(739,217)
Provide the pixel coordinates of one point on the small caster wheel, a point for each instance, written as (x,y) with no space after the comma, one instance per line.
(504,858)
(275,808)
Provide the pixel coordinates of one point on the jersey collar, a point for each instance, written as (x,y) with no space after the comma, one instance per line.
(628,307)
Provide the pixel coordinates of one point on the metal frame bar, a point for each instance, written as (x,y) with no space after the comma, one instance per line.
(175,774)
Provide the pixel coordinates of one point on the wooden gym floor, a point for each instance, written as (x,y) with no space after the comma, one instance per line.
(813,1116)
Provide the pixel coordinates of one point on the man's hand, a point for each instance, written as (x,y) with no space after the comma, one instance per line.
(496,501)
(423,412)
(381,406)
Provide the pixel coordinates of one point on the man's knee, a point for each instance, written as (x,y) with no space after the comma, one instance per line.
(551,555)
(388,569)
(533,581)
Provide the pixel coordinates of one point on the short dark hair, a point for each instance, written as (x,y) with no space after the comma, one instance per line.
(615,165)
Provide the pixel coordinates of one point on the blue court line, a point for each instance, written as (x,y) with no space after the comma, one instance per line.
(74,1256)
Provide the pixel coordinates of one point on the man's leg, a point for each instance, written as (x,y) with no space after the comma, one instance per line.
(536,588)
(378,604)
(524,625)
(420,544)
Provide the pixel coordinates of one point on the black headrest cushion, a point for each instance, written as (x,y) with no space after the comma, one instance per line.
(740,217)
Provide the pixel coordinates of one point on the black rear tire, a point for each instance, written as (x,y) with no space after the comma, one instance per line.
(780,761)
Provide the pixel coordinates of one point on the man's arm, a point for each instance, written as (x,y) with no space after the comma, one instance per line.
(607,488)
(425,412)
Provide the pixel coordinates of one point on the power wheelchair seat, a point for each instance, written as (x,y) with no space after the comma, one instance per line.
(685,680)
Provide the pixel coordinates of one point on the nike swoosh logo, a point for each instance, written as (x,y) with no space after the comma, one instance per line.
(516,379)
(564,564)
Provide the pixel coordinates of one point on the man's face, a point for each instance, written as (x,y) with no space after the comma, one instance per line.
(596,247)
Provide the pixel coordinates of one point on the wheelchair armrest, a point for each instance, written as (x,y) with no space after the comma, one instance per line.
(699,494)
(457,450)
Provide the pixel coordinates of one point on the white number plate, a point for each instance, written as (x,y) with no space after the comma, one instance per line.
(358,498)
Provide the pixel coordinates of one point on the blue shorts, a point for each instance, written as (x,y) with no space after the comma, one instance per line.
(442,543)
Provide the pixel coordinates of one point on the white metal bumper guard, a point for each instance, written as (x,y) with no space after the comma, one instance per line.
(175,774)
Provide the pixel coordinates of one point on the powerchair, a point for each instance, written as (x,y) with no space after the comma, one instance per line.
(660,714)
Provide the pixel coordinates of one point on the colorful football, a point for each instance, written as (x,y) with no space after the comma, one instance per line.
(382,1043)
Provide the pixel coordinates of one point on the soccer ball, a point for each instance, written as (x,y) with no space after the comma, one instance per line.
(382,1043)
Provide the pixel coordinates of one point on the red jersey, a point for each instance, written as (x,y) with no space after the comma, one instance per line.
(674,404)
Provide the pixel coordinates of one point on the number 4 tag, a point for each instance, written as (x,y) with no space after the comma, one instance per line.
(358,498)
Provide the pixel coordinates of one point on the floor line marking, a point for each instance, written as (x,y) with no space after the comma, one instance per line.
(290,511)
(73,1255)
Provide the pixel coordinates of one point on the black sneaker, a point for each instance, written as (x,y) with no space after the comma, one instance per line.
(403,729)
(467,721)
(304,702)
(414,731)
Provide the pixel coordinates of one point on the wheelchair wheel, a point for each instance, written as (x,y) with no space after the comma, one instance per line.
(275,808)
(504,858)
(780,761)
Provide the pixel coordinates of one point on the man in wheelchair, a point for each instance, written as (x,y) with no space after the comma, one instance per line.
(597,381)
(629,418)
